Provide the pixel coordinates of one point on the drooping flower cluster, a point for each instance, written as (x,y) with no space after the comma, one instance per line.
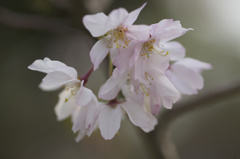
(150,72)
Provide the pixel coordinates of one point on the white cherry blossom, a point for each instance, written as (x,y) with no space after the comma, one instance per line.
(115,31)
(74,100)
(186,76)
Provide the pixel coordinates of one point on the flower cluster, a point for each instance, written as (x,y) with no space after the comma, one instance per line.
(150,72)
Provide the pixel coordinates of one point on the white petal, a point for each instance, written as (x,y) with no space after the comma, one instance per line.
(58,79)
(109,121)
(182,86)
(131,18)
(161,26)
(192,78)
(64,109)
(47,66)
(97,24)
(156,105)
(79,120)
(113,85)
(84,96)
(175,49)
(92,116)
(139,32)
(98,52)
(117,16)
(79,137)
(194,64)
(41,66)
(139,117)
(61,67)
(130,95)
(46,87)
(168,30)
(171,34)
(163,88)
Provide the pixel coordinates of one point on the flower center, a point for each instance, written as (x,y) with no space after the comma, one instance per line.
(72,89)
(150,47)
(118,38)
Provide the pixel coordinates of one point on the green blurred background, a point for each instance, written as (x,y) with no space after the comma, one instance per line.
(29,129)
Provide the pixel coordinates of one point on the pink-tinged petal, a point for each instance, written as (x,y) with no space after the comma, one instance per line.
(189,76)
(92,116)
(98,52)
(168,30)
(182,86)
(132,16)
(97,24)
(163,88)
(194,64)
(171,34)
(123,59)
(154,66)
(130,95)
(117,16)
(136,53)
(64,109)
(139,32)
(109,121)
(139,117)
(41,66)
(113,85)
(58,79)
(114,52)
(84,96)
(158,62)
(175,49)
(185,75)
(155,105)
(161,26)
(79,121)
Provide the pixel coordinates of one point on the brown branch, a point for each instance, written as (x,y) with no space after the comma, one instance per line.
(160,137)
(159,142)
(34,22)
(201,101)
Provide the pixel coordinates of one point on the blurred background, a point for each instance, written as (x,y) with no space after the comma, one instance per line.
(34,29)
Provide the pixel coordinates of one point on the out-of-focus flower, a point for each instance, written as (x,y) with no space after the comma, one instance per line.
(186,76)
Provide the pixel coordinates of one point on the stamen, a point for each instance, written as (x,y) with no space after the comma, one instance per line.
(144,90)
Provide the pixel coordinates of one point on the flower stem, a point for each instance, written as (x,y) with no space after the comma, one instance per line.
(86,76)
(110,66)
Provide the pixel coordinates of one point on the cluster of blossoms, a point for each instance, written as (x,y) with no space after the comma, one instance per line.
(149,71)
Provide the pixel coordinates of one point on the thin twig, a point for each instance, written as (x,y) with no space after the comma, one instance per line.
(201,101)
(161,137)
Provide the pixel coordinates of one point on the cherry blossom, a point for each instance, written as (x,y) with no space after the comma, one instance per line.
(111,114)
(73,96)
(115,31)
(148,71)
(186,76)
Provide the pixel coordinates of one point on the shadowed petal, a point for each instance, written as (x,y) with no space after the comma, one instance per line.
(84,96)
(175,49)
(139,117)
(109,121)
(98,52)
(64,109)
